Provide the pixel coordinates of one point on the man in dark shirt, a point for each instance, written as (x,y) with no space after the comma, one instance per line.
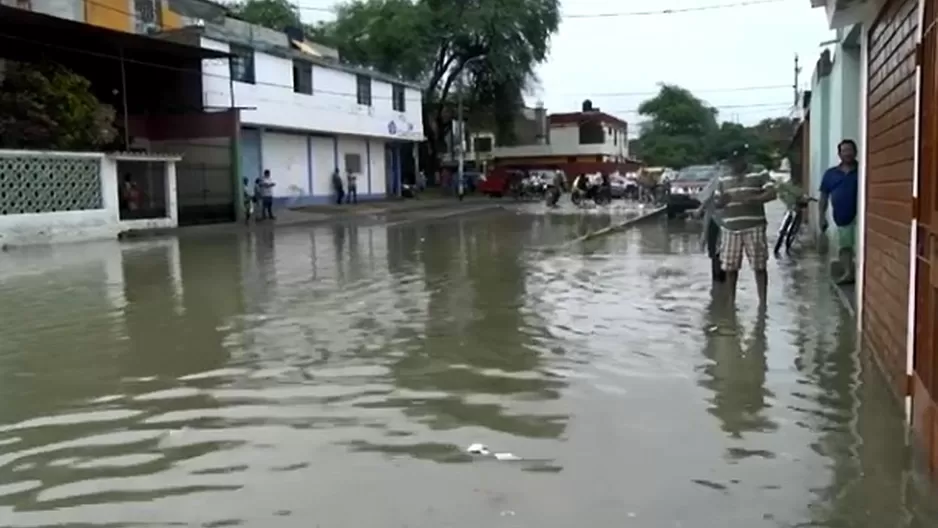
(839,189)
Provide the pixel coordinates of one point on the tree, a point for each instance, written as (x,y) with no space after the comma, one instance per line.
(678,130)
(273,14)
(494,45)
(49,107)
(682,130)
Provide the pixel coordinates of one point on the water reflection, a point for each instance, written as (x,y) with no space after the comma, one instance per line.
(736,372)
(283,377)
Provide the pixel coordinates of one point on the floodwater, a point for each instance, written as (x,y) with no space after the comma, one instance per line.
(334,376)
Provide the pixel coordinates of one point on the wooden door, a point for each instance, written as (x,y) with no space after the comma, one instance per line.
(925,378)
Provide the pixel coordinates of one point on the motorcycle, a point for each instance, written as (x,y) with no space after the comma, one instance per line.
(594,192)
(791,224)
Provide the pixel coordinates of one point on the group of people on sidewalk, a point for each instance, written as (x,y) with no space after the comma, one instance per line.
(733,211)
(261,193)
(347,191)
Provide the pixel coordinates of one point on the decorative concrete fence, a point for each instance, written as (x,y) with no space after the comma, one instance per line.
(48,197)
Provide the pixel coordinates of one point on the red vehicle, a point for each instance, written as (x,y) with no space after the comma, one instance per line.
(498,180)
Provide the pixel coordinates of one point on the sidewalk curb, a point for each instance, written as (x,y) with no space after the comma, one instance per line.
(614,227)
(237,227)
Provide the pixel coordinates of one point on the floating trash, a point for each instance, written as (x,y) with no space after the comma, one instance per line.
(483,450)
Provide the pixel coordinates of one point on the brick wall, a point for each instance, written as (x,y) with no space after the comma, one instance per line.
(888,215)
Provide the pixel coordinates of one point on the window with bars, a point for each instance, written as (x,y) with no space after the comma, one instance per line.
(364,89)
(398,98)
(242,64)
(146,16)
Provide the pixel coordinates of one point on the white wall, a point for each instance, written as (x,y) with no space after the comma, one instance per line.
(79,226)
(378,167)
(332,108)
(565,139)
(322,149)
(287,158)
(835,115)
(354,145)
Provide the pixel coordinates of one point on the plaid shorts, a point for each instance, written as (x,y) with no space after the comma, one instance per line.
(752,242)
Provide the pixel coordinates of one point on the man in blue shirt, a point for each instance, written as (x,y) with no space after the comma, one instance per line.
(839,189)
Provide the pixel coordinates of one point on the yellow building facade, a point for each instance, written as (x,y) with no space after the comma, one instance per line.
(132,16)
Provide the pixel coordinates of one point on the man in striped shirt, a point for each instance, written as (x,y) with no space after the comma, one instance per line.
(742,197)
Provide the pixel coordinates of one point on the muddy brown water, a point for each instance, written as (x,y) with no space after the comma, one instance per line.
(333,376)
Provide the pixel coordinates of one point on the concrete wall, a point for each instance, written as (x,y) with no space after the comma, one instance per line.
(302,164)
(835,115)
(332,108)
(81,225)
(566,139)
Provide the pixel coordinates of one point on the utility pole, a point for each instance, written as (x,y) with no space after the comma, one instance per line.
(461,167)
(795,86)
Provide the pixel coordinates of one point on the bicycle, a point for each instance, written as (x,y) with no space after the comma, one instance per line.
(791,224)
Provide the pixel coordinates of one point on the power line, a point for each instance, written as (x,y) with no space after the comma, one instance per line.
(708,90)
(717,107)
(654,12)
(674,11)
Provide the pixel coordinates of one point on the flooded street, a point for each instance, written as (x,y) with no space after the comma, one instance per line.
(333,376)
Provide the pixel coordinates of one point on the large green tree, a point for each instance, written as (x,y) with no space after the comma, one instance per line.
(678,128)
(681,130)
(493,46)
(273,14)
(46,106)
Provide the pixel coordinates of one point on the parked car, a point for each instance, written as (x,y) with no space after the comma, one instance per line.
(691,180)
(623,187)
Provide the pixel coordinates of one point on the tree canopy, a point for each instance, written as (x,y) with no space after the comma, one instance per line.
(681,130)
(491,45)
(47,106)
(273,14)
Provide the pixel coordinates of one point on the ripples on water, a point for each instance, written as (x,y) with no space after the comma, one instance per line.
(333,377)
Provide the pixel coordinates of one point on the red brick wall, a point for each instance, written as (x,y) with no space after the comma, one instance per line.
(888,215)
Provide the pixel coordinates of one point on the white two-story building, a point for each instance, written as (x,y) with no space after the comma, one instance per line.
(305,115)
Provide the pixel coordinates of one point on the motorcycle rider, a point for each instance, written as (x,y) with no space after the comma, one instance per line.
(557,186)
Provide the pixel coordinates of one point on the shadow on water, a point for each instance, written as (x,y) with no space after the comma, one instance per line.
(333,376)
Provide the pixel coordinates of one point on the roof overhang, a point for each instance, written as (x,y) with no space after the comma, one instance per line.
(19,27)
(845,13)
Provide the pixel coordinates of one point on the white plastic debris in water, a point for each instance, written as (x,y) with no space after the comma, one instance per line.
(482,449)
(479,449)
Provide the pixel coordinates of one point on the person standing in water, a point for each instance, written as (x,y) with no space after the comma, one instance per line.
(352,195)
(266,187)
(840,189)
(741,196)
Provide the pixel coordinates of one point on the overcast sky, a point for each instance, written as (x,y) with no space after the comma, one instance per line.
(738,57)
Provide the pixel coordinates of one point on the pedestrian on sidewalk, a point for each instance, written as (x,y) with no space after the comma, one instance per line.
(840,189)
(266,188)
(742,196)
(352,180)
(337,187)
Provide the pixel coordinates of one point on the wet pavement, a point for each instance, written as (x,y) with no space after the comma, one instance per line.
(334,375)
